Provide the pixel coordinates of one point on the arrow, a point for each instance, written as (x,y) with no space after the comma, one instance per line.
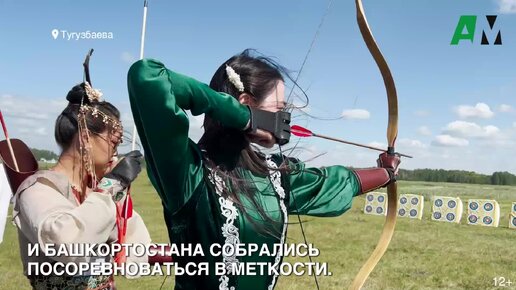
(303,132)
(142,46)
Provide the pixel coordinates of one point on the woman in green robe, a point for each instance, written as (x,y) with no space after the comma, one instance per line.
(222,190)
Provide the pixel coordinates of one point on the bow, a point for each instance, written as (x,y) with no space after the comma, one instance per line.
(392,133)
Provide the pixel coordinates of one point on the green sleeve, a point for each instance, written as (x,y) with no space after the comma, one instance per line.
(159,98)
(326,191)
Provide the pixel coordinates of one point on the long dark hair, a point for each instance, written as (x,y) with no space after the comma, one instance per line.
(230,160)
(66,124)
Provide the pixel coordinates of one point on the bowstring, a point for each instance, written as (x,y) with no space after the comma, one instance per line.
(312,44)
(300,223)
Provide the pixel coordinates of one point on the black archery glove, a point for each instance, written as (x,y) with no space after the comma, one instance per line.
(277,123)
(127,169)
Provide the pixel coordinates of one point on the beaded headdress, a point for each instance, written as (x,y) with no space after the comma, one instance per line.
(88,108)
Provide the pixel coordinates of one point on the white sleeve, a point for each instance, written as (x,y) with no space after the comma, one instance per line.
(53,219)
(137,233)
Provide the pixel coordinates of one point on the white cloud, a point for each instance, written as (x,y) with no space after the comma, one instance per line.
(356,114)
(480,110)
(411,143)
(32,119)
(499,143)
(435,156)
(376,144)
(507,6)
(514,124)
(505,108)
(424,130)
(128,57)
(470,130)
(30,108)
(449,141)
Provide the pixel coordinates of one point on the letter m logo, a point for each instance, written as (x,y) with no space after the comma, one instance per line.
(491,19)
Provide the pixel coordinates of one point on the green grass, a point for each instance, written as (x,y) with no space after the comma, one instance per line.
(422,255)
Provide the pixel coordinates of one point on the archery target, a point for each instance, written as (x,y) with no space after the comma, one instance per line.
(484,212)
(512,216)
(410,206)
(446,209)
(376,203)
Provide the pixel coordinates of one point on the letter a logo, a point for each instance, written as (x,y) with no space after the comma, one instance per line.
(465,29)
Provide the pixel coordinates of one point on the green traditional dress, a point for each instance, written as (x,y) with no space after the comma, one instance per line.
(195,211)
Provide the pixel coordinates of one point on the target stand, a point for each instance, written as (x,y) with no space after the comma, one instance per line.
(411,206)
(446,209)
(483,212)
(376,203)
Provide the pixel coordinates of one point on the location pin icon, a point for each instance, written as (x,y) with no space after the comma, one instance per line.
(55,33)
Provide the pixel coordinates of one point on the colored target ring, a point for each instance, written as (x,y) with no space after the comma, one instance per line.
(488,206)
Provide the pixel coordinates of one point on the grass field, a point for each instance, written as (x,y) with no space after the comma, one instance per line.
(422,255)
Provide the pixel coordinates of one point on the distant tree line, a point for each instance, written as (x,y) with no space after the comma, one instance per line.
(433,175)
(45,154)
(457,176)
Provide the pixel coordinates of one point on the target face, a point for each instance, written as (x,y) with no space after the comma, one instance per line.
(488,206)
(379,210)
(402,212)
(370,197)
(413,213)
(473,205)
(381,198)
(472,219)
(437,215)
(438,202)
(514,207)
(450,216)
(452,204)
(403,200)
(414,201)
(514,222)
(369,208)
(487,220)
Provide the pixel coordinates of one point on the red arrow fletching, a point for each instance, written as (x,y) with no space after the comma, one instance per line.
(300,131)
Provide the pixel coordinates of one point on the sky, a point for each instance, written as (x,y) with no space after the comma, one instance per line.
(457,103)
